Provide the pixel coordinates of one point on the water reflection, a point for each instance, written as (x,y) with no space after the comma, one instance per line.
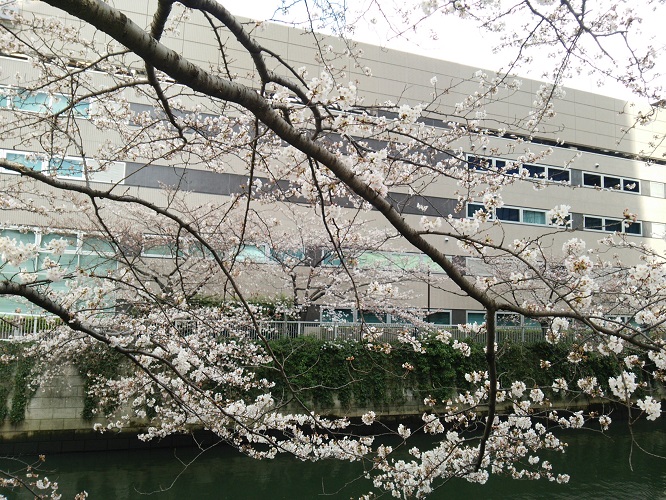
(599,467)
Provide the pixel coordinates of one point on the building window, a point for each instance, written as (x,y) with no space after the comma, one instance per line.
(535,171)
(70,166)
(611,182)
(26,159)
(508,214)
(511,214)
(439,318)
(40,102)
(534,217)
(658,230)
(476,317)
(67,167)
(611,225)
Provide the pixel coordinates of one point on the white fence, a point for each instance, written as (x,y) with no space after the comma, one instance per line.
(379,332)
(17,326)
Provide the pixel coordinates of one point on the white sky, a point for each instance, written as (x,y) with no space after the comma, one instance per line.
(458,41)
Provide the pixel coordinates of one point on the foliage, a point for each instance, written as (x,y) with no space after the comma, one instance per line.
(323,371)
(97,365)
(16,373)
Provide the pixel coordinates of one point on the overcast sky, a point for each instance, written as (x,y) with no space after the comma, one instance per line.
(459,41)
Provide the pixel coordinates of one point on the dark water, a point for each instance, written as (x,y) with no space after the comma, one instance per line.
(599,465)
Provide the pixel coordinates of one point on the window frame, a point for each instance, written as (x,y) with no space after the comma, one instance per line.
(548,171)
(606,221)
(9,95)
(623,181)
(521,214)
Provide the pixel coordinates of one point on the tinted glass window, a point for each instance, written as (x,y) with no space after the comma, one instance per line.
(592,180)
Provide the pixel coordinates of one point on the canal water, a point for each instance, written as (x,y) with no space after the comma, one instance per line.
(600,466)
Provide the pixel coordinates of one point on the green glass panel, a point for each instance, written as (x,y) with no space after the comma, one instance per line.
(97,245)
(534,217)
(373,259)
(70,238)
(10,304)
(19,236)
(531,323)
(508,319)
(439,318)
(58,103)
(407,262)
(82,109)
(67,261)
(369,317)
(24,159)
(37,102)
(338,316)
(283,255)
(476,317)
(99,264)
(66,167)
(252,253)
(157,249)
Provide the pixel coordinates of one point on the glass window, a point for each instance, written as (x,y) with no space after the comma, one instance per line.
(508,319)
(508,214)
(535,170)
(631,185)
(500,164)
(534,217)
(594,223)
(370,317)
(473,207)
(531,323)
(67,167)
(593,180)
(96,245)
(25,237)
(476,267)
(68,261)
(37,102)
(48,238)
(612,182)
(82,109)
(558,174)
(158,246)
(99,264)
(634,228)
(252,253)
(407,261)
(331,258)
(439,318)
(372,259)
(338,316)
(476,317)
(613,225)
(25,159)
(476,163)
(58,103)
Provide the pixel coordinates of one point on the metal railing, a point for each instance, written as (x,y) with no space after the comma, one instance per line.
(13,326)
(16,326)
(358,332)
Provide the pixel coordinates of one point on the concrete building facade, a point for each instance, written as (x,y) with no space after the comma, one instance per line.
(600,163)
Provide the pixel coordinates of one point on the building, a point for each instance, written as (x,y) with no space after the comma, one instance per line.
(589,156)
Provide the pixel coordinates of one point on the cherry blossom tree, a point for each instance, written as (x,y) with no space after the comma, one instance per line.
(322,178)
